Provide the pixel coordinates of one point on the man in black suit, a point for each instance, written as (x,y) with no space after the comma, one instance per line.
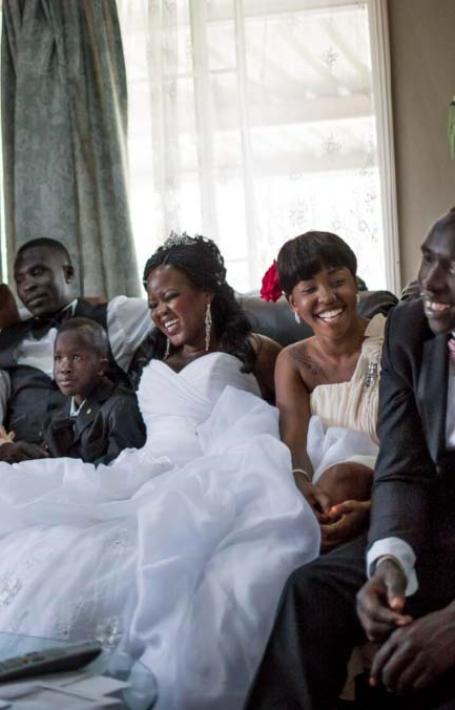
(44,277)
(404,588)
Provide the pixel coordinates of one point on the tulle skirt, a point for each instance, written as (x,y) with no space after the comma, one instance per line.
(179,564)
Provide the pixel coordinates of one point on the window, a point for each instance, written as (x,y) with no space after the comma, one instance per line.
(252,121)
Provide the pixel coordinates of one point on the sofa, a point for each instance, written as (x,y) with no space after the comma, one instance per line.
(277,321)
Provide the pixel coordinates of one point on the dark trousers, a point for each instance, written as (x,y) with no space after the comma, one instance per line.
(316,628)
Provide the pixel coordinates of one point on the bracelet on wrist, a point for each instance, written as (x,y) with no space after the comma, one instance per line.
(302,472)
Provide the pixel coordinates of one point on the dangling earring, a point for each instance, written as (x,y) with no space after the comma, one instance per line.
(208,326)
(357,297)
(168,349)
(297,317)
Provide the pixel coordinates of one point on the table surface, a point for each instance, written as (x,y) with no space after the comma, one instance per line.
(142,693)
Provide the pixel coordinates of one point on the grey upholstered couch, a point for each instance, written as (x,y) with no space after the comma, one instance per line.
(272,319)
(277,321)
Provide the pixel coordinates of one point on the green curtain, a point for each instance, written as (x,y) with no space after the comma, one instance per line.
(64,121)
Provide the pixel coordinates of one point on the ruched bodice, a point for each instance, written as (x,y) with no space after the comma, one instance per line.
(192,391)
(354,404)
(174,402)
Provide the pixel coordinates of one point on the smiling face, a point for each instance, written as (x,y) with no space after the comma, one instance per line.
(177,307)
(43,280)
(78,366)
(437,278)
(327,302)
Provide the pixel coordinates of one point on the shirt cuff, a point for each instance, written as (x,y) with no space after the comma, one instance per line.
(402,552)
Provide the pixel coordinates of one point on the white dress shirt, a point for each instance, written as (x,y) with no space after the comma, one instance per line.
(394,547)
(128,322)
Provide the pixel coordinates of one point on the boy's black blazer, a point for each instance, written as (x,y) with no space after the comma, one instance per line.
(108,422)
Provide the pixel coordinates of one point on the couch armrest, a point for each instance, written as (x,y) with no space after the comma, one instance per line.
(373,302)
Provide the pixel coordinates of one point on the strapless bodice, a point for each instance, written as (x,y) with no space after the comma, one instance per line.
(354,404)
(179,401)
(193,391)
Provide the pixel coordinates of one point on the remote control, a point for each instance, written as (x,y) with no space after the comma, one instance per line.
(50,660)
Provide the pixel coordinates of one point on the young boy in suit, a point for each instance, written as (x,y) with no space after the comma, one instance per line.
(98,419)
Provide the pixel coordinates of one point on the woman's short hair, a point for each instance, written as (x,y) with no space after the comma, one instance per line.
(202,263)
(299,259)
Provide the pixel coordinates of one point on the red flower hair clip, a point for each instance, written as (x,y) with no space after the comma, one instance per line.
(270,289)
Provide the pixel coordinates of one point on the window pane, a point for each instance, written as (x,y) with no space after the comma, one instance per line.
(252,122)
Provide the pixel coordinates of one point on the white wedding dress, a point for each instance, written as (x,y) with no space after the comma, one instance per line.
(176,553)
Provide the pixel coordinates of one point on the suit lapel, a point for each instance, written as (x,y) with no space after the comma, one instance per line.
(83,420)
(91,407)
(432,393)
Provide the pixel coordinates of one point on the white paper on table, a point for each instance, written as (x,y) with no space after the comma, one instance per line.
(60,679)
(18,688)
(79,685)
(94,686)
(56,700)
(11,691)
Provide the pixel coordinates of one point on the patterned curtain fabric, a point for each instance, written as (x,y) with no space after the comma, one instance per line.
(64,115)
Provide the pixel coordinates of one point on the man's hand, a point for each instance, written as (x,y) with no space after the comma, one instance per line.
(346,520)
(6,436)
(14,452)
(381,601)
(415,656)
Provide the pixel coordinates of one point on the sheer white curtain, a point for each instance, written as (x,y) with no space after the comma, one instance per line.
(252,121)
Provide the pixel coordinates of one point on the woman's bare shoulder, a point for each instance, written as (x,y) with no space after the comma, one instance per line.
(301,358)
(299,352)
(267,350)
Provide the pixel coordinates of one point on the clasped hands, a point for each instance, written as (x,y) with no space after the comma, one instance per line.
(415,652)
(340,522)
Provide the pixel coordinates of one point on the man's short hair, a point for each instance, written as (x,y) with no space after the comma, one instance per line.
(446,220)
(48,243)
(93,334)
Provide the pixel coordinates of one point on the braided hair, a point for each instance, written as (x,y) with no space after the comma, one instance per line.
(200,260)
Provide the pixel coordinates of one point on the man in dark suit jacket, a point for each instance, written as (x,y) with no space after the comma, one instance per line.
(404,588)
(44,279)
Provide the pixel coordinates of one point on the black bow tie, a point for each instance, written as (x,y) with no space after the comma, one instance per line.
(41,325)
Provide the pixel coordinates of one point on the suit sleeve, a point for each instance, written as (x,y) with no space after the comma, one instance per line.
(126,428)
(405,472)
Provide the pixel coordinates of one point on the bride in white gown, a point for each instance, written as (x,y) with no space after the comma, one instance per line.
(177,552)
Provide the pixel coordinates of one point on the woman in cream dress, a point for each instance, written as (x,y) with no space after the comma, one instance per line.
(327,385)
